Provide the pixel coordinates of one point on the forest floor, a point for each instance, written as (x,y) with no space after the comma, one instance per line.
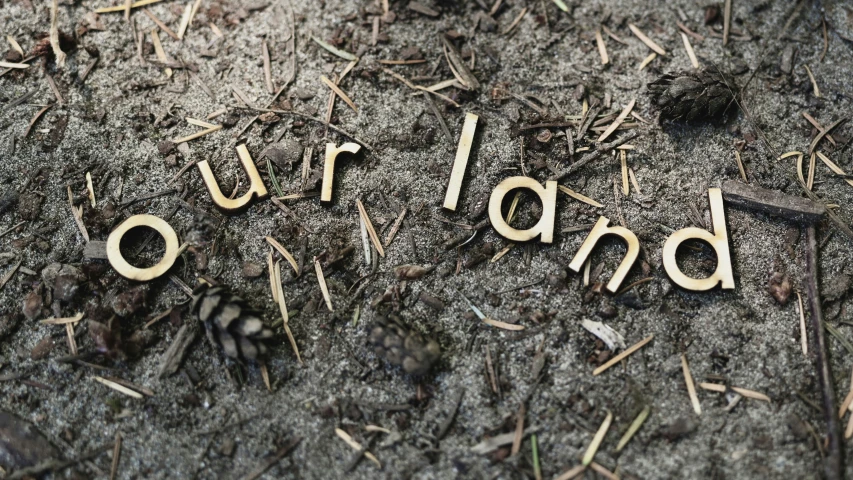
(112,112)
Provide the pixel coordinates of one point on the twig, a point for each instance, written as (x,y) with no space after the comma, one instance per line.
(833,464)
(266,465)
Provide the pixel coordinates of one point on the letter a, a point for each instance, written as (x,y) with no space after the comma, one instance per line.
(718,240)
(256,185)
(548,197)
(329,167)
(599,230)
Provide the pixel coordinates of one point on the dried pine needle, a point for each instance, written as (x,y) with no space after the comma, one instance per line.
(691,387)
(740,166)
(321,279)
(185,21)
(370,230)
(803,336)
(14,65)
(800,168)
(356,446)
(158,49)
(814,82)
(396,227)
(789,154)
(634,180)
(623,355)
(284,253)
(597,439)
(690,53)
(574,472)
(64,320)
(335,51)
(339,92)
(117,387)
(516,21)
(635,426)
(603,471)
(200,123)
(561,5)
(283,309)
(810,182)
(90,189)
(715,387)
(503,325)
(15,45)
(602,48)
(577,196)
(834,167)
(270,267)
(623,158)
(646,61)
(121,8)
(501,253)
(197,135)
(160,24)
(265,375)
(648,41)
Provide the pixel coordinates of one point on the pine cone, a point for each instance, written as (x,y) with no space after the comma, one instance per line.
(692,95)
(401,346)
(231,323)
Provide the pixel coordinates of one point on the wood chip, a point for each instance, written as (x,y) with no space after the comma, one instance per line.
(691,387)
(117,387)
(284,253)
(339,92)
(623,355)
(714,387)
(577,196)
(597,439)
(648,41)
(370,230)
(834,167)
(602,49)
(772,202)
(321,279)
(503,325)
(690,53)
(635,426)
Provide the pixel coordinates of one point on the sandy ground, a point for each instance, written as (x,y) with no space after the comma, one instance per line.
(127,106)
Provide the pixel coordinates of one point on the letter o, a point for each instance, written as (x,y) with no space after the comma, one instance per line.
(127,270)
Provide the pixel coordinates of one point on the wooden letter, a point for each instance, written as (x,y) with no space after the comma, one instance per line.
(461,162)
(256,185)
(329,167)
(719,242)
(548,197)
(127,270)
(599,230)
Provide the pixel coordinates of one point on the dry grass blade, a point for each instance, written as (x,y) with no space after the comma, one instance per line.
(339,92)
(623,355)
(715,387)
(503,325)
(119,388)
(648,41)
(691,387)
(370,230)
(597,439)
(690,53)
(577,196)
(635,426)
(356,446)
(602,48)
(284,253)
(834,167)
(621,118)
(321,279)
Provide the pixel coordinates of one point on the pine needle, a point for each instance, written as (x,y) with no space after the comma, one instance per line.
(623,355)
(602,48)
(635,426)
(648,41)
(370,230)
(117,387)
(714,387)
(335,51)
(321,279)
(284,253)
(691,387)
(339,92)
(577,196)
(597,439)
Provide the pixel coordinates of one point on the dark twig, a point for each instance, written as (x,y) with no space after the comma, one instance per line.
(599,150)
(833,465)
(281,453)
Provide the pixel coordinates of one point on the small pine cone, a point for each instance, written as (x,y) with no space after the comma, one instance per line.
(231,323)
(692,95)
(404,347)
